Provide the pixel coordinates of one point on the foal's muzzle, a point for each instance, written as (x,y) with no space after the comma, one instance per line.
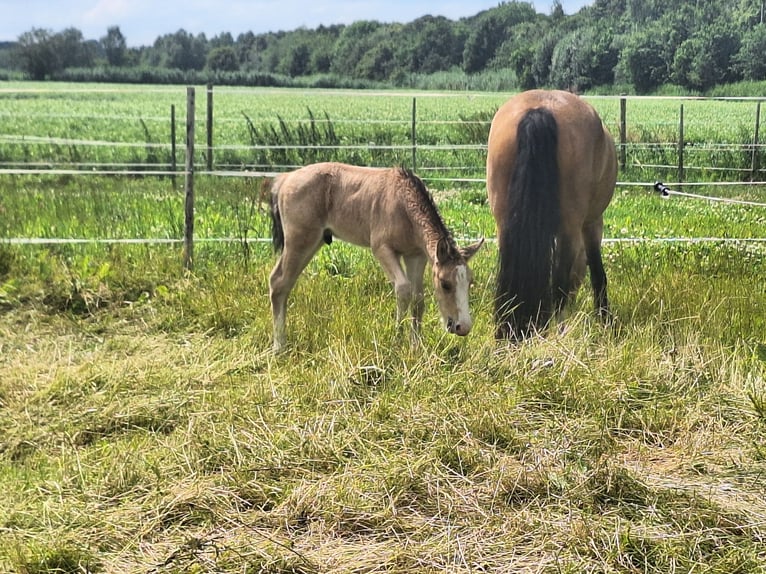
(460,329)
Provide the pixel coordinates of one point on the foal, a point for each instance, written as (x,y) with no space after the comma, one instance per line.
(386,209)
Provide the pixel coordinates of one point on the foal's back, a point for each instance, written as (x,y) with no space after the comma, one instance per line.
(353,203)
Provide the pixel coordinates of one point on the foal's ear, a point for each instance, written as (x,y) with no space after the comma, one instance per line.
(470,250)
(443,251)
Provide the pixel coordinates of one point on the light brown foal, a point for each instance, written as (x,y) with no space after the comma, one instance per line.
(388,210)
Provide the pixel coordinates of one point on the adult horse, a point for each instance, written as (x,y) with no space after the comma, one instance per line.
(386,209)
(551,172)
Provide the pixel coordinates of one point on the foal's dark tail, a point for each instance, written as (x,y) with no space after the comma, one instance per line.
(277,231)
(526,242)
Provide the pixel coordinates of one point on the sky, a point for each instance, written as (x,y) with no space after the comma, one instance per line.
(143,21)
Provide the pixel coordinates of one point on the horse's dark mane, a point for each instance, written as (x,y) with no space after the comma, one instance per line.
(423,202)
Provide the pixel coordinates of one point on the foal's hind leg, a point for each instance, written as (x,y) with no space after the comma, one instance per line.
(296,254)
(593,235)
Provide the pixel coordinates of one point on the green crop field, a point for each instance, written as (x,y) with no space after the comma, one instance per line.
(266,129)
(146,427)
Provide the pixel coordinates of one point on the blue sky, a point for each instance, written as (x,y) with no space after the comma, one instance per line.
(142,21)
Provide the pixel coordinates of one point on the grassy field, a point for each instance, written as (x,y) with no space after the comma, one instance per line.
(145,426)
(113,126)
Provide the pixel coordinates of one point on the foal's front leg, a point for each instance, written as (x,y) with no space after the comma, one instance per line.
(415,267)
(392,267)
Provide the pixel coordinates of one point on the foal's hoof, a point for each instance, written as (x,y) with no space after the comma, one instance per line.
(278,348)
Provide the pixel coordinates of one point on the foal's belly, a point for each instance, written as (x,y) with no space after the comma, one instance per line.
(356,235)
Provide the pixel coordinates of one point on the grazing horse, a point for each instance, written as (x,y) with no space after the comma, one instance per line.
(551,172)
(386,209)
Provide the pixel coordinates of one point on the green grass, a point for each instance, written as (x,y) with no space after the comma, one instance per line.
(145,426)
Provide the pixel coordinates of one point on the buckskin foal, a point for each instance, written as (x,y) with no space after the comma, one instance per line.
(388,210)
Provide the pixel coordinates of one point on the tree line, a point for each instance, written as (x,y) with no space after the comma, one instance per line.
(638,45)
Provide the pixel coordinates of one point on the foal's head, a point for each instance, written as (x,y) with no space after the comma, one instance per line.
(452,282)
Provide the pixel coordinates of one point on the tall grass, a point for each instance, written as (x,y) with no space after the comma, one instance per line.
(52,125)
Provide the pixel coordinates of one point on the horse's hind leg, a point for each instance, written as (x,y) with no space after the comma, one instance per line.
(596,265)
(293,260)
(568,270)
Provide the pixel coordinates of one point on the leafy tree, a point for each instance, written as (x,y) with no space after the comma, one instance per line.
(749,14)
(297,60)
(705,59)
(37,52)
(114,46)
(377,63)
(557,11)
(181,51)
(429,44)
(646,43)
(322,44)
(222,59)
(353,42)
(584,58)
(519,50)
(223,40)
(490,31)
(541,61)
(44,53)
(644,59)
(72,50)
(640,12)
(750,61)
(243,46)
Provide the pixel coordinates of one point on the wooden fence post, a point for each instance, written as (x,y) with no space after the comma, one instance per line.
(173,143)
(210,127)
(681,146)
(189,182)
(414,136)
(623,134)
(755,166)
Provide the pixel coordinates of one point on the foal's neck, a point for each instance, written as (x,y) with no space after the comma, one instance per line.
(430,231)
(426,219)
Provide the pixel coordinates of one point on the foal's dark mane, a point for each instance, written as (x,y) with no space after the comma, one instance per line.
(422,202)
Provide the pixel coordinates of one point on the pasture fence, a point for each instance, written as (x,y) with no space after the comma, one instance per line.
(414,150)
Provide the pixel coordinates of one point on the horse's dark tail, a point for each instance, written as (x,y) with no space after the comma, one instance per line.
(277,231)
(526,242)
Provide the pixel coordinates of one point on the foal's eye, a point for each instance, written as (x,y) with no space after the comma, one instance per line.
(446,286)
